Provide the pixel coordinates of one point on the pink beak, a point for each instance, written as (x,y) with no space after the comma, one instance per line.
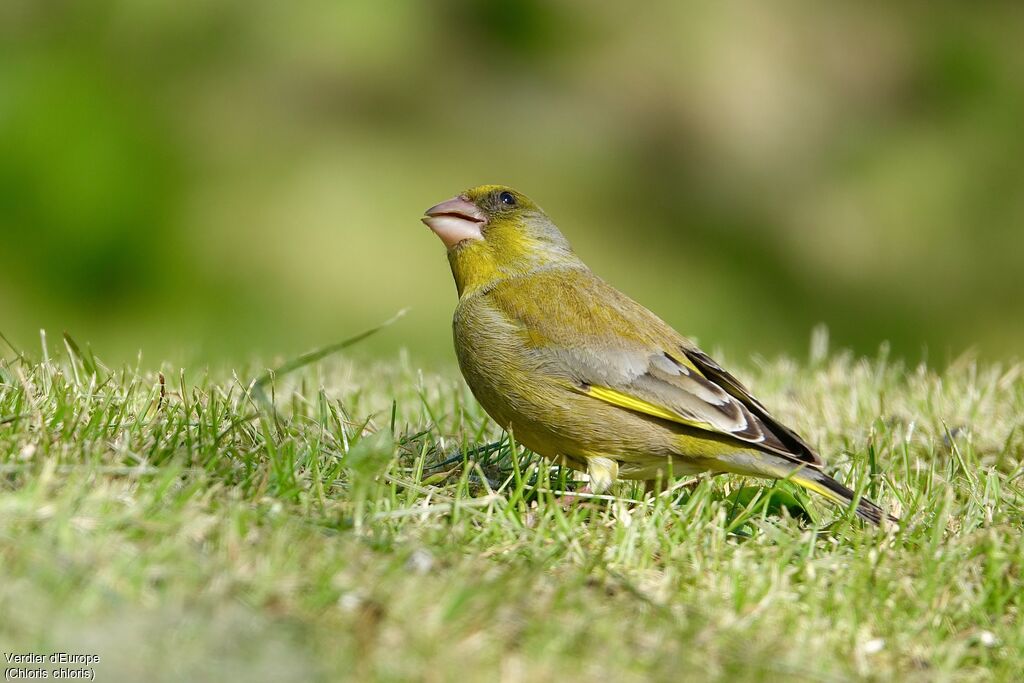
(455,220)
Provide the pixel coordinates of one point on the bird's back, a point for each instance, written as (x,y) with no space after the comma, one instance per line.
(543,347)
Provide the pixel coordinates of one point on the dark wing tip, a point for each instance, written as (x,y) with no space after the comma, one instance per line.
(784,440)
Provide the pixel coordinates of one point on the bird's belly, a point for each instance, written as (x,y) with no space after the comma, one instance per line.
(538,405)
(516,398)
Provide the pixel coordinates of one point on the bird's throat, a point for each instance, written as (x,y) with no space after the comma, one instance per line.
(473,267)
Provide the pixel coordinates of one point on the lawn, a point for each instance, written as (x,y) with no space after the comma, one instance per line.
(335,523)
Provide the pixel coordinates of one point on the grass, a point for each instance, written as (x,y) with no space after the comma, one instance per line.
(166,521)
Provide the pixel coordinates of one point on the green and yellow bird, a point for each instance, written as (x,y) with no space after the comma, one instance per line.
(580,373)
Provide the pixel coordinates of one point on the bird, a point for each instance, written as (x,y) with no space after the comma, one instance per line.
(585,376)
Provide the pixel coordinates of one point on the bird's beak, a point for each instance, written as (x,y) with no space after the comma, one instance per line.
(455,220)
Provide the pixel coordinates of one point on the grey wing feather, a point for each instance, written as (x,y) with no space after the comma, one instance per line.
(794,445)
(708,398)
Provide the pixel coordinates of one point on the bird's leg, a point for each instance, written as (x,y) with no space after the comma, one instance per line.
(603,473)
(569,500)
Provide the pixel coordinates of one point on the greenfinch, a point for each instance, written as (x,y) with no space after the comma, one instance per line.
(581,374)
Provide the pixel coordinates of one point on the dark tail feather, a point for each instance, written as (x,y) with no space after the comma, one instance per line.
(819,482)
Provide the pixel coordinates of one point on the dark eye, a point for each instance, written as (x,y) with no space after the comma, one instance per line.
(507,198)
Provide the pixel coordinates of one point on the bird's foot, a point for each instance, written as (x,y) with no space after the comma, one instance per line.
(569,500)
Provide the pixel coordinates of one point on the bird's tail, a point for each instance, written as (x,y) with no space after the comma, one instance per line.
(812,479)
(821,483)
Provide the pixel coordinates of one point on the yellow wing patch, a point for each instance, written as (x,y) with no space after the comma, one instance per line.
(617,398)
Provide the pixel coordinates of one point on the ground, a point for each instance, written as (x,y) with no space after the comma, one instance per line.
(182,525)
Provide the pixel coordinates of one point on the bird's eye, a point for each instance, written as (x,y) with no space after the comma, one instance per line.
(507,198)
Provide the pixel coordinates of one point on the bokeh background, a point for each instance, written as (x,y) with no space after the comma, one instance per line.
(224,179)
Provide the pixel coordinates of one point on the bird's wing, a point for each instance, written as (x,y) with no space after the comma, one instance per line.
(605,345)
(669,388)
(796,446)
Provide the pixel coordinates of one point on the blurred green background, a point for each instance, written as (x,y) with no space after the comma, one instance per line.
(223,179)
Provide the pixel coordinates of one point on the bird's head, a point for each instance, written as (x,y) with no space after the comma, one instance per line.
(493,232)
